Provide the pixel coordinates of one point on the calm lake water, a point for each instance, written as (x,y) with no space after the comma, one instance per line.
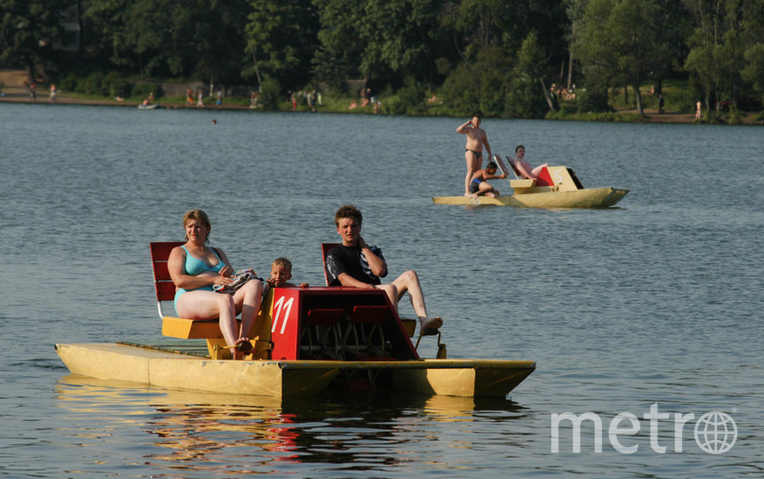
(656,303)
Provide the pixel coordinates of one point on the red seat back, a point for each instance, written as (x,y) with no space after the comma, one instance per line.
(163,285)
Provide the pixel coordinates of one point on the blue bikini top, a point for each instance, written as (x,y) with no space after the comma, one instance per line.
(195,266)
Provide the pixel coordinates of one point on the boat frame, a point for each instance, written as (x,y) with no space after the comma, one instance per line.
(292,378)
(321,338)
(556,187)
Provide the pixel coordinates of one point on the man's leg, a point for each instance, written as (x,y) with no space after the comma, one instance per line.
(392,293)
(473,164)
(409,281)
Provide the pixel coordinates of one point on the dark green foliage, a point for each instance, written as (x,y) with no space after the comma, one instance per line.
(500,56)
(524,98)
(29,29)
(593,99)
(481,85)
(143,89)
(92,84)
(114,85)
(270,94)
(410,99)
(331,70)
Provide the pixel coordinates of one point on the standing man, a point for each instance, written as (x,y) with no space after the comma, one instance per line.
(358,265)
(473,152)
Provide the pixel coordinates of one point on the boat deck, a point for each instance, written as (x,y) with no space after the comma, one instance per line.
(190,347)
(175,364)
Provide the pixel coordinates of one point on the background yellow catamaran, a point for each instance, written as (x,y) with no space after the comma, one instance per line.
(556,187)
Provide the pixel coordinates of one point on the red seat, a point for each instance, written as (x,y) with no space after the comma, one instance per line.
(163,285)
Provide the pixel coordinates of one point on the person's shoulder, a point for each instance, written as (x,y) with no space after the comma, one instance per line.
(338,251)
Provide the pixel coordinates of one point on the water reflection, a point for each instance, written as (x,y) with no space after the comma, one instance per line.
(211,434)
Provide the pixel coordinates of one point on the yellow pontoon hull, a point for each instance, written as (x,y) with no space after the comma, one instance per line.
(452,377)
(586,198)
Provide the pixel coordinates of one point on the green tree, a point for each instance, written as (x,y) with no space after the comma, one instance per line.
(170,38)
(625,37)
(341,35)
(717,53)
(105,29)
(481,84)
(478,24)
(280,39)
(29,30)
(532,61)
(752,37)
(402,36)
(367,38)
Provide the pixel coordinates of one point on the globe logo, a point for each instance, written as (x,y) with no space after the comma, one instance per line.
(715,432)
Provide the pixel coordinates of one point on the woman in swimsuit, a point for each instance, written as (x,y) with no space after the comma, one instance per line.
(195,267)
(473,152)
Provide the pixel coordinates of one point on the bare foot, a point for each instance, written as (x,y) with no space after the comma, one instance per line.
(430,326)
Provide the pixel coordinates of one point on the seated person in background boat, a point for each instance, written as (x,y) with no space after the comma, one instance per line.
(358,265)
(524,167)
(195,267)
(473,152)
(479,185)
(281,273)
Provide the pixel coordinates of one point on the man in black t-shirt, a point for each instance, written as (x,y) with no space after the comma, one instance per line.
(359,265)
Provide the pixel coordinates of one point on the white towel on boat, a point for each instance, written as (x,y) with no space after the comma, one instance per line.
(239,279)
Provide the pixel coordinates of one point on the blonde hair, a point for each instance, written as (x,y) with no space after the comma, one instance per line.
(282,262)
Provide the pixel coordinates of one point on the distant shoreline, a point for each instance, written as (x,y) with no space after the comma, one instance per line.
(16,93)
(62,99)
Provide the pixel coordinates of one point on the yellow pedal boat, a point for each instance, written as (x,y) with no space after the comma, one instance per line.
(305,341)
(556,187)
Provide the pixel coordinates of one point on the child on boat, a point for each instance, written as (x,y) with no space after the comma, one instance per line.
(281,273)
(479,185)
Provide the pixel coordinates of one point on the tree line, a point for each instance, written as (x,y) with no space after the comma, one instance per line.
(508,58)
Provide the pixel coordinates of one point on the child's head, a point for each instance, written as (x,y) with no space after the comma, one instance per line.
(281,271)
(491,167)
